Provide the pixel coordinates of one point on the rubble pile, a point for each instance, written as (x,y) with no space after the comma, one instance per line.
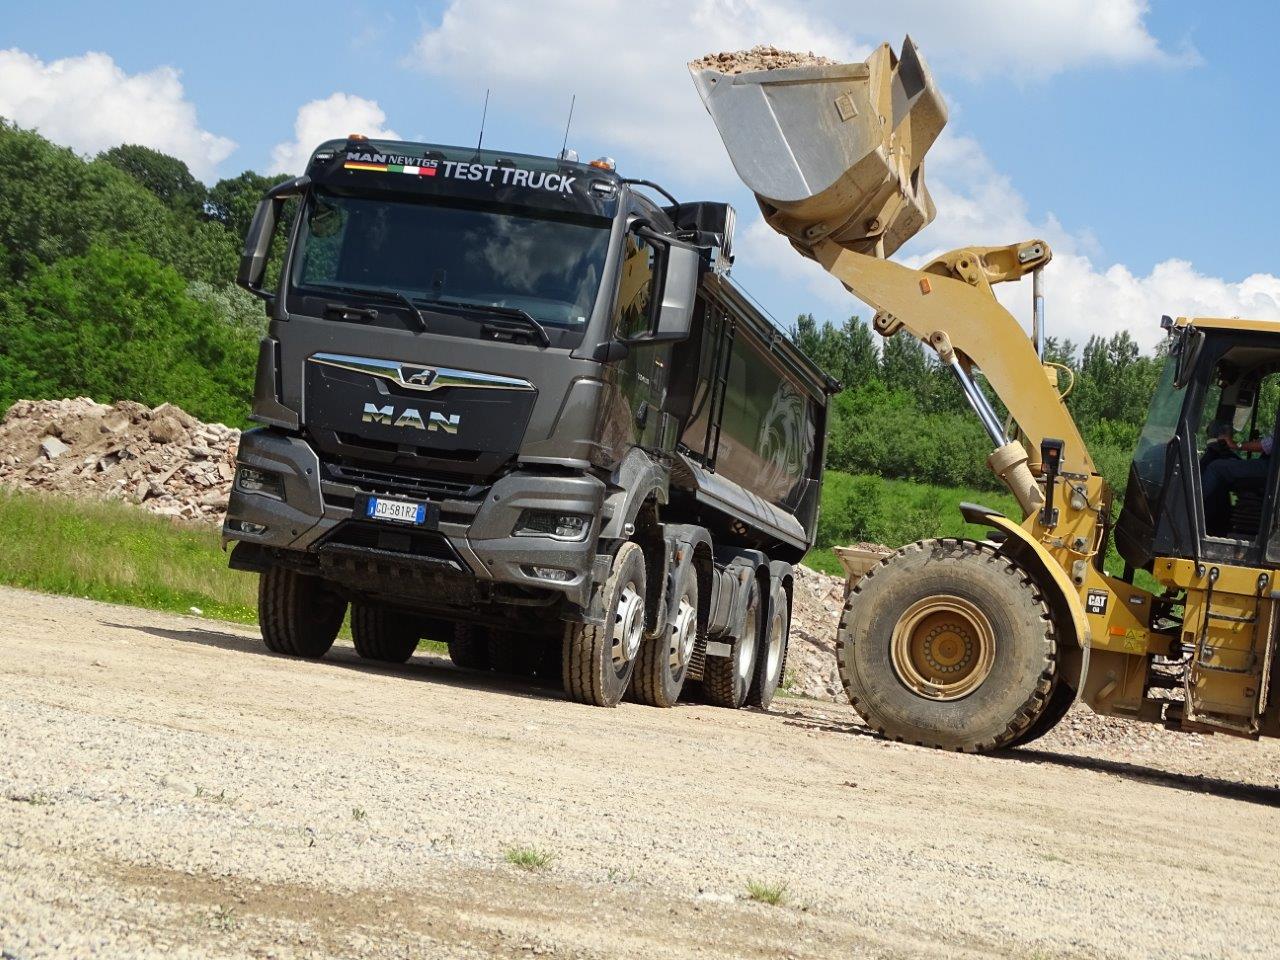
(761,57)
(816,602)
(163,458)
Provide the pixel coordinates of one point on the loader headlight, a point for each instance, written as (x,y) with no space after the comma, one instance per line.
(250,480)
(554,524)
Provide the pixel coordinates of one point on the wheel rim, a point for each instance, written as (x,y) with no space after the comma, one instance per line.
(777,644)
(628,627)
(747,647)
(943,648)
(683,634)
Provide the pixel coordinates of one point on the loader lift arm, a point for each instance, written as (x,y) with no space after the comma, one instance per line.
(950,305)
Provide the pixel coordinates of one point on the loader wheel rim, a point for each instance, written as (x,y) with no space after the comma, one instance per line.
(943,648)
(628,626)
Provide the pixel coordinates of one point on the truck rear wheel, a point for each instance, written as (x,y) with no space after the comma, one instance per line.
(511,652)
(726,681)
(469,648)
(597,661)
(771,661)
(298,615)
(663,662)
(949,644)
(382,634)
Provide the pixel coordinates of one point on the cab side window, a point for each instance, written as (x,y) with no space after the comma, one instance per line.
(633,314)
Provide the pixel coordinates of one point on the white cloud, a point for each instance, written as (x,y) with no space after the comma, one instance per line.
(335,116)
(1025,41)
(90,104)
(625,61)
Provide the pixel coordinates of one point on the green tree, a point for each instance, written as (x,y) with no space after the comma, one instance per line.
(165,176)
(117,325)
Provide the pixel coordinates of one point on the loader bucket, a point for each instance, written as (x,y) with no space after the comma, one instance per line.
(833,151)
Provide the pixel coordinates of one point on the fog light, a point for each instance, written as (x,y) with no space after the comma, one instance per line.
(259,481)
(550,573)
(550,523)
(248,526)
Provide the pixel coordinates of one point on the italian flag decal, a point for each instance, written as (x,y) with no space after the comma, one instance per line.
(390,168)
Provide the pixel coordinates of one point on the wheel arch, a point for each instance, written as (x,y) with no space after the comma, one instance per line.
(1059,592)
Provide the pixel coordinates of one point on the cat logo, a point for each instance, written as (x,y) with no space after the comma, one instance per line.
(409,417)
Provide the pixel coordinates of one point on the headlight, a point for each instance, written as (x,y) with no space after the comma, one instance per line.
(259,481)
(551,523)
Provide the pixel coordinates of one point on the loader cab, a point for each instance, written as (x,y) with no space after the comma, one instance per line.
(1204,475)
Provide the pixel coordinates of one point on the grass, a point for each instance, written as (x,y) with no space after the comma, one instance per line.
(774,894)
(528,858)
(118,553)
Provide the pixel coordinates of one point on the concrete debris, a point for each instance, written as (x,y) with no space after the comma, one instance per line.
(53,448)
(163,459)
(761,57)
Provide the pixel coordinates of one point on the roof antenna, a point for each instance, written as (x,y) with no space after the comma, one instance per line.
(483,115)
(564,147)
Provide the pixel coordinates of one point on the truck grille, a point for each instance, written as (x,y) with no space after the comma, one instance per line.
(382,480)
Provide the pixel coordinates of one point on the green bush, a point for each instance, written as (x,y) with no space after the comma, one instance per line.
(115,324)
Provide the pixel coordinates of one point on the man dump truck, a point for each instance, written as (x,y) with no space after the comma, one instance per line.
(516,404)
(980,644)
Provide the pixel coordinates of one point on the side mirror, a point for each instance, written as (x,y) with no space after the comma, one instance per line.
(679,269)
(257,242)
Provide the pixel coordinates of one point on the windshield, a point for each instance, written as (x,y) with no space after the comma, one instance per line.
(550,269)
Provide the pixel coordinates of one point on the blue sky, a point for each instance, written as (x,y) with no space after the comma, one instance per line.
(1136,138)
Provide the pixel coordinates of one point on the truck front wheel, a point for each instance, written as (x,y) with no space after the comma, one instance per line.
(382,634)
(948,643)
(598,660)
(299,615)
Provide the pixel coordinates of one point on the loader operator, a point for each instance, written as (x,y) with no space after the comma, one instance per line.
(1224,471)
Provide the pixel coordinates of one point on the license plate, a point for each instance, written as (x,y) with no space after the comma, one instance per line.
(399,511)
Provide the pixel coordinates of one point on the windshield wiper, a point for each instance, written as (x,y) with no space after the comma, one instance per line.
(513,313)
(402,298)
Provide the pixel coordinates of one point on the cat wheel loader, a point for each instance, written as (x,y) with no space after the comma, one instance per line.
(981,644)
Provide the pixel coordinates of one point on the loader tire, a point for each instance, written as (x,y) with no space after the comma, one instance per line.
(510,652)
(726,681)
(597,661)
(948,644)
(1060,701)
(298,615)
(469,648)
(663,663)
(771,661)
(383,635)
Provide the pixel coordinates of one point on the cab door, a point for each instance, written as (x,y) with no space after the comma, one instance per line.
(643,373)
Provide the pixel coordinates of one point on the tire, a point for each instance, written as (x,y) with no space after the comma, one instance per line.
(597,661)
(510,652)
(771,659)
(1060,701)
(469,648)
(948,644)
(726,681)
(663,663)
(382,634)
(298,615)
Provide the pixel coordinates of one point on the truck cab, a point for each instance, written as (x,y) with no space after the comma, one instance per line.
(478,383)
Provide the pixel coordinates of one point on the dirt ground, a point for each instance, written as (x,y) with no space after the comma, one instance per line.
(169,789)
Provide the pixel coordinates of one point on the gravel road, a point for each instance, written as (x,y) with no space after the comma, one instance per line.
(167,789)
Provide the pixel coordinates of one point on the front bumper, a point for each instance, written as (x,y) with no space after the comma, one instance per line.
(474,540)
